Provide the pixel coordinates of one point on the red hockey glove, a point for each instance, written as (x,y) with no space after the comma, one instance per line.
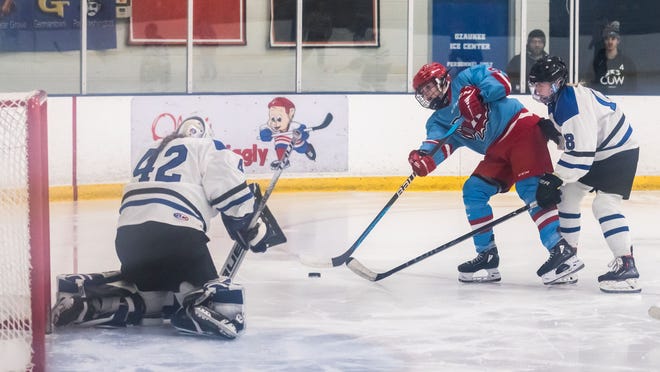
(422,163)
(548,193)
(470,103)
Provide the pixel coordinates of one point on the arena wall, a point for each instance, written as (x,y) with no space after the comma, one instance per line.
(382,129)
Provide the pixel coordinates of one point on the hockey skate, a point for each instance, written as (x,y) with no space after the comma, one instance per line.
(487,260)
(562,262)
(278,164)
(310,152)
(202,320)
(568,279)
(622,277)
(68,309)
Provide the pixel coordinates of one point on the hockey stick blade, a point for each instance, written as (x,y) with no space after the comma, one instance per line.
(342,258)
(361,270)
(324,123)
(317,262)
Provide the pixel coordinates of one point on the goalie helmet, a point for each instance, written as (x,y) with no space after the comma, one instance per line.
(431,84)
(551,70)
(194,127)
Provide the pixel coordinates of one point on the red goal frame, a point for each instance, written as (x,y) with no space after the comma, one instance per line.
(36,107)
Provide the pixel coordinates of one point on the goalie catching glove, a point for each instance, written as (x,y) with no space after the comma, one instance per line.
(422,163)
(264,234)
(249,237)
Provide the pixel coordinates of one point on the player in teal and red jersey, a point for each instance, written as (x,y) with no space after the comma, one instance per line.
(515,153)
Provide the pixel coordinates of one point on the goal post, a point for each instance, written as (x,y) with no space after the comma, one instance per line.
(24,231)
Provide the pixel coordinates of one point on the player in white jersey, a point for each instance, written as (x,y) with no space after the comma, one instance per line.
(600,154)
(177,187)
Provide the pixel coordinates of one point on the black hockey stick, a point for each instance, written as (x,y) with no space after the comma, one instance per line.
(364,272)
(336,261)
(238,251)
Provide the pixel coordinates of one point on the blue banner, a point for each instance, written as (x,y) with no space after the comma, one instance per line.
(54,25)
(466,33)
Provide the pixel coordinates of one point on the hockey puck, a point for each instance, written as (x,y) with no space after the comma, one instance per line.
(314,275)
(654,311)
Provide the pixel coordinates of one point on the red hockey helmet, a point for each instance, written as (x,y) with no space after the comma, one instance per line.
(431,84)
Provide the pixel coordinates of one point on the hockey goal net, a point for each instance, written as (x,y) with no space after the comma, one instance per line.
(24,231)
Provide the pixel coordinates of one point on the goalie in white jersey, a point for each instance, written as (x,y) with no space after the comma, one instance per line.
(177,187)
(600,155)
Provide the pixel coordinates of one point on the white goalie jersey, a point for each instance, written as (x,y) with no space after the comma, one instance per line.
(186,184)
(593,128)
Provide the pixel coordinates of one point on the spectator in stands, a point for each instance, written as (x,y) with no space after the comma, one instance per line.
(535,51)
(613,72)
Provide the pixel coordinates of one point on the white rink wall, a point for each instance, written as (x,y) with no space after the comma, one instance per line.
(382,129)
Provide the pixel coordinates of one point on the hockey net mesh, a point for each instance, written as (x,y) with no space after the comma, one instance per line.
(16,324)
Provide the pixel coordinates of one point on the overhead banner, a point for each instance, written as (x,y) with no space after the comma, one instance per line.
(256,127)
(337,23)
(54,25)
(215,22)
(467,33)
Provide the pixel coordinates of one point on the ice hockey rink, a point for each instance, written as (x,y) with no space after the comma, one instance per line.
(419,319)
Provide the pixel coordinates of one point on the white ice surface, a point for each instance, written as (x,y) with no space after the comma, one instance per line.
(420,319)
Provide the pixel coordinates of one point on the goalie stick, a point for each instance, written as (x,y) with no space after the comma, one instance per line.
(342,258)
(364,272)
(237,253)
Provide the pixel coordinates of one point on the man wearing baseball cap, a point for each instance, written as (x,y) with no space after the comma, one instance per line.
(614,72)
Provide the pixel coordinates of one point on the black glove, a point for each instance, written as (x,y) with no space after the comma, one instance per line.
(248,238)
(549,131)
(548,193)
(254,237)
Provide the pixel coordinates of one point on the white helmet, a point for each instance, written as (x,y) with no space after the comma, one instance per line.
(194,127)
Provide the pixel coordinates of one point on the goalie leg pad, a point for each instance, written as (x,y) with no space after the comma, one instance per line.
(216,310)
(201,320)
(98,299)
(89,312)
(68,309)
(69,284)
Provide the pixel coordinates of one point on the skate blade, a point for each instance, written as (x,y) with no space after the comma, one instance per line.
(622,286)
(573,264)
(492,275)
(568,279)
